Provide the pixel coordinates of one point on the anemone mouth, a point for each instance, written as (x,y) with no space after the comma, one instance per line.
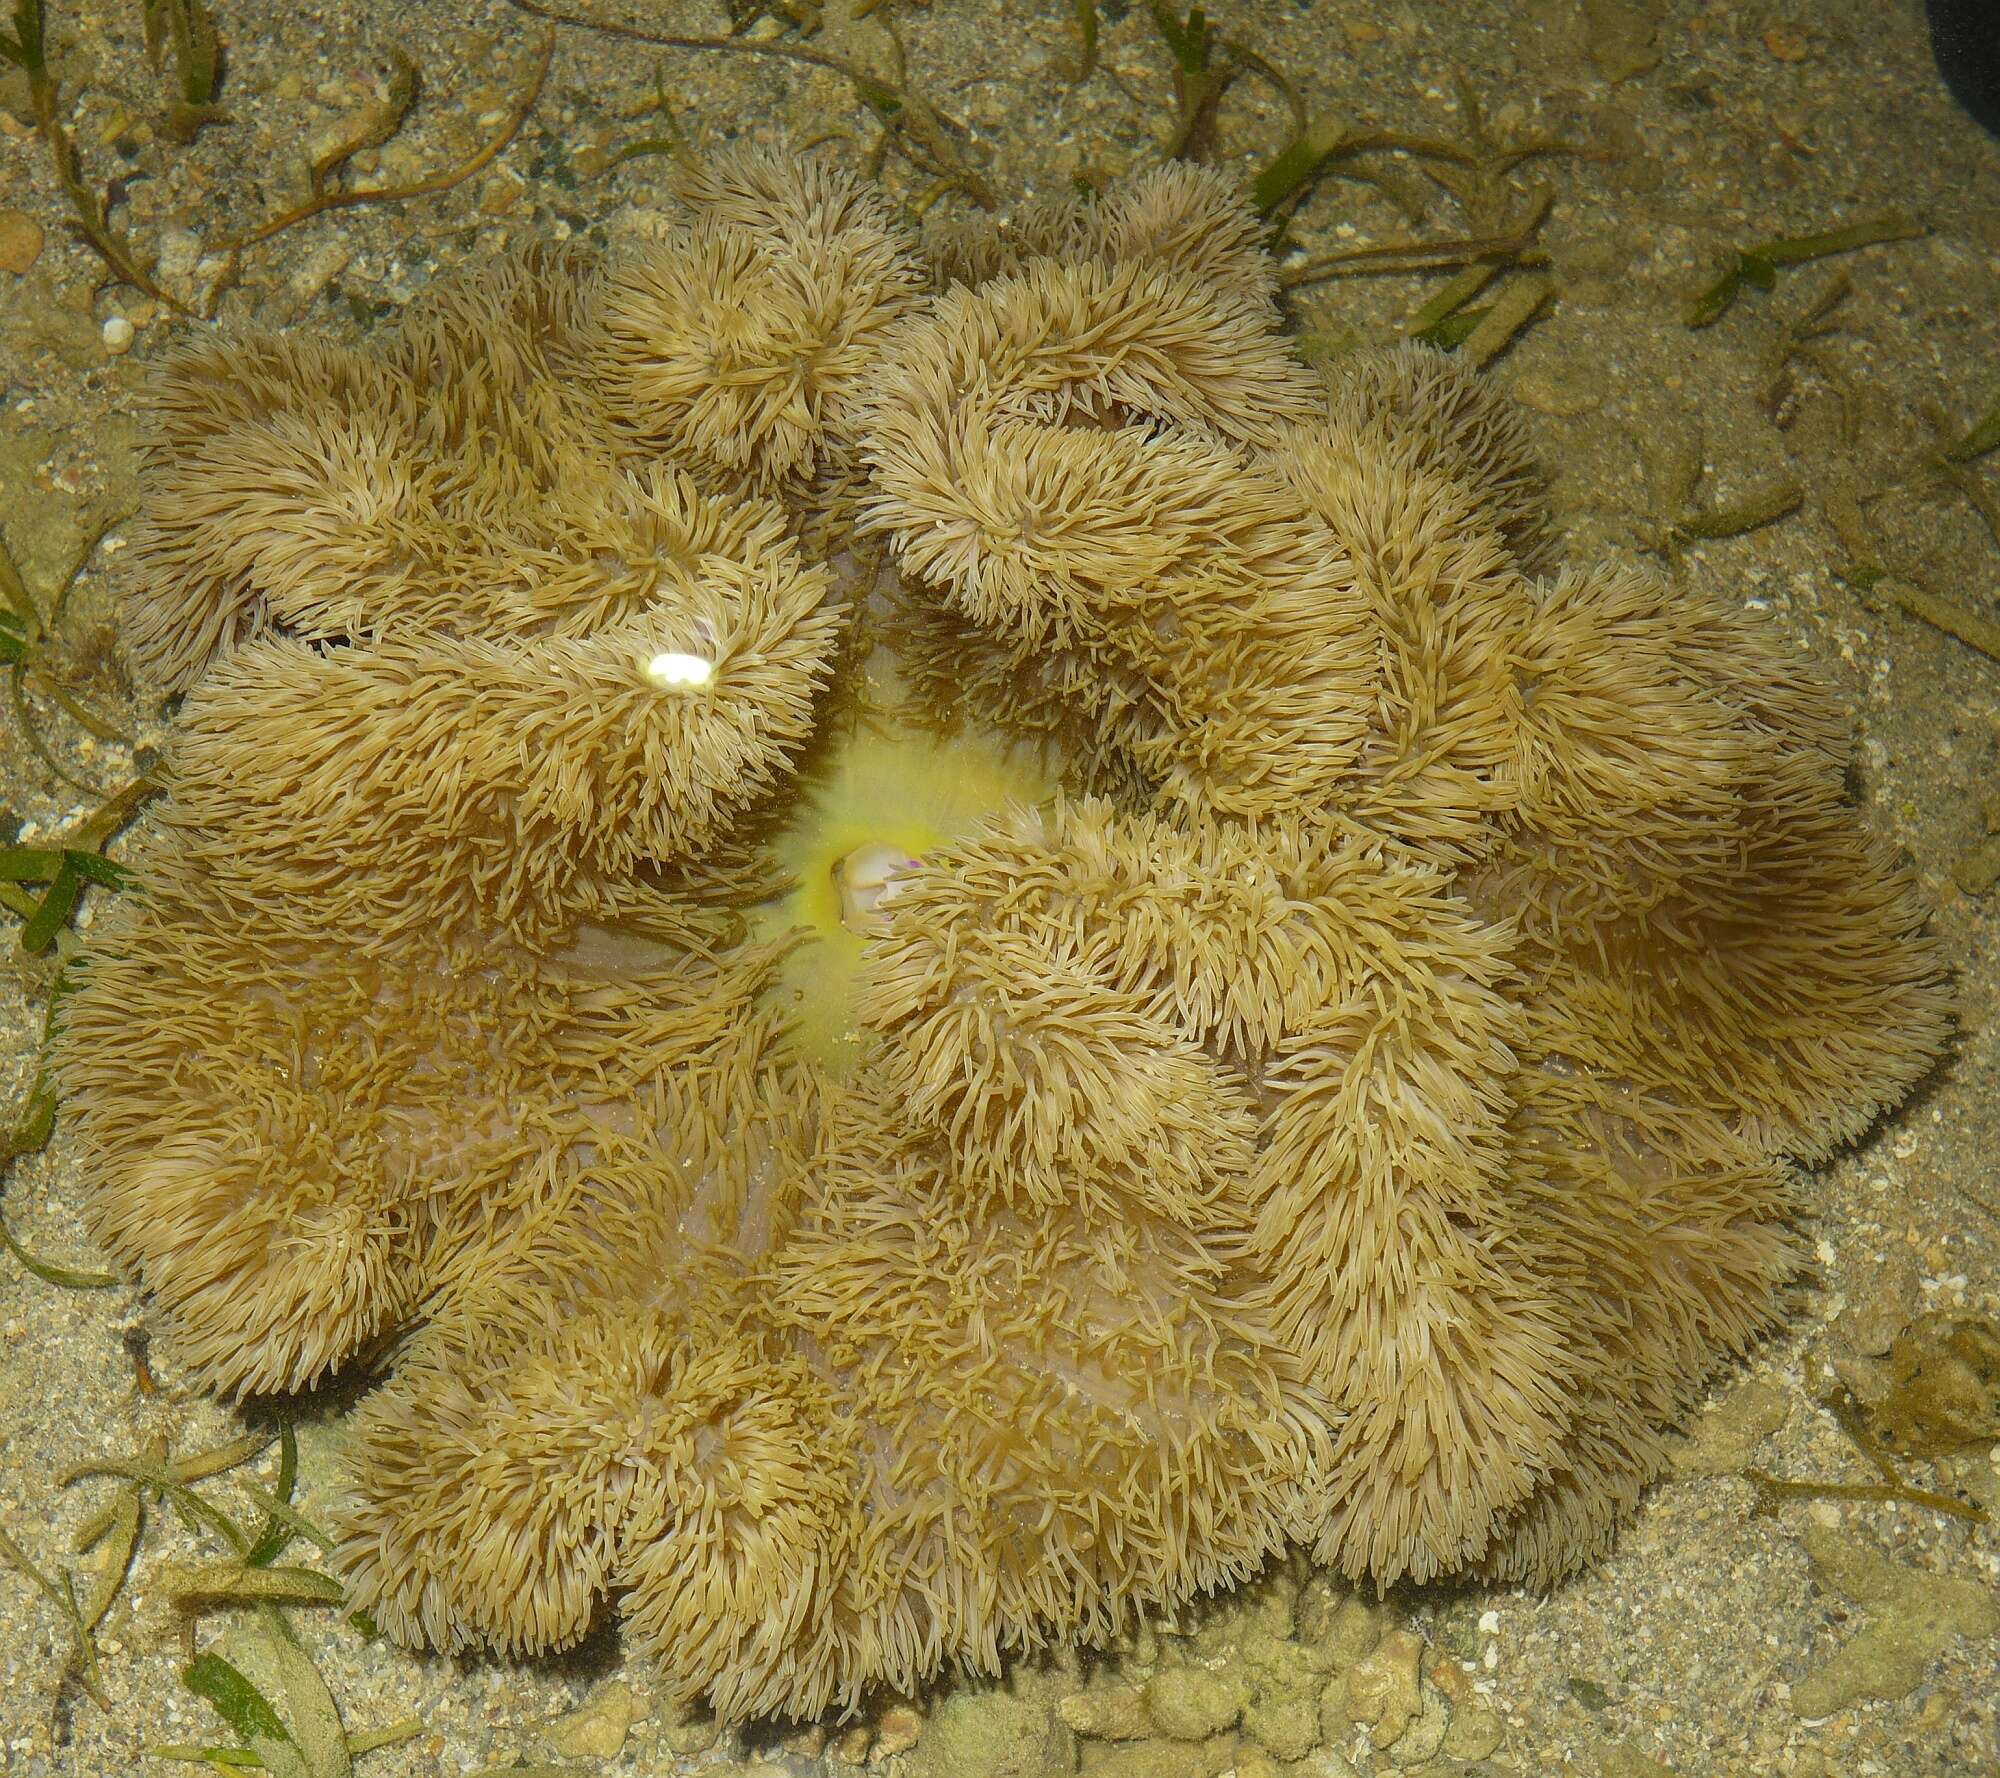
(883,788)
(866,881)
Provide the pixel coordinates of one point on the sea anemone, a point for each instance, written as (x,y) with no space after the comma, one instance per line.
(951,964)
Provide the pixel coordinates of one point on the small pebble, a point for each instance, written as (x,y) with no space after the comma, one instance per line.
(21,240)
(1474,1733)
(1382,1690)
(1420,1741)
(1189,1704)
(1284,1724)
(599,1728)
(1115,1713)
(896,1731)
(690,1731)
(850,1746)
(180,252)
(325,263)
(117,334)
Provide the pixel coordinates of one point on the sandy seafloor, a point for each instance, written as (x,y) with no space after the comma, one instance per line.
(1692,1648)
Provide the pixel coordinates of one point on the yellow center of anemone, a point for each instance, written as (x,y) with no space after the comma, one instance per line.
(869,806)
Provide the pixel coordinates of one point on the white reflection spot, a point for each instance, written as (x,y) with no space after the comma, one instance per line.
(676,672)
